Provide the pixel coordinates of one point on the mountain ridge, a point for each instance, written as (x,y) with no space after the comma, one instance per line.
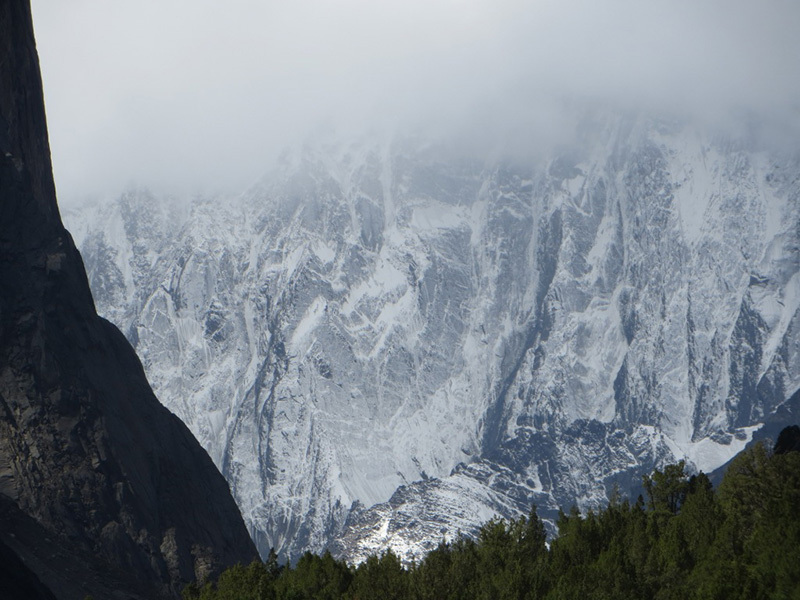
(517,334)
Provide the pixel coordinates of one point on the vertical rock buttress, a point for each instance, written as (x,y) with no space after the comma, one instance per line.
(91,464)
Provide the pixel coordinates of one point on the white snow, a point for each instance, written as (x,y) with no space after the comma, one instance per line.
(395,350)
(707,455)
(323,251)
(437,215)
(695,167)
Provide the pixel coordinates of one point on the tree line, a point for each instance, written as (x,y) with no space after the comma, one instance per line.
(684,539)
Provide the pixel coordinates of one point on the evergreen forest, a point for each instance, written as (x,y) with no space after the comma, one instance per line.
(683,539)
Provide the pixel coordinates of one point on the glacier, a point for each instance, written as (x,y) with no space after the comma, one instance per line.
(383,346)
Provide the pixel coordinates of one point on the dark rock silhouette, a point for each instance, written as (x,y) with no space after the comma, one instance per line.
(89,458)
(788,440)
(18,581)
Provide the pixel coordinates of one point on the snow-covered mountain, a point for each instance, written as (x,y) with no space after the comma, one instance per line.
(381,346)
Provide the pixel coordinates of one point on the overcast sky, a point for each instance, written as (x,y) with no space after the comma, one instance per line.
(201,95)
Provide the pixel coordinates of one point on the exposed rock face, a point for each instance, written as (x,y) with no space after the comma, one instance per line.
(788,440)
(85,447)
(381,346)
(19,582)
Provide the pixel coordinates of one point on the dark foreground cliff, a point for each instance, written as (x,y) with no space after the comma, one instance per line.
(101,488)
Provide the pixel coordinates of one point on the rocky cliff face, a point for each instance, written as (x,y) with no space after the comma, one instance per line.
(381,346)
(86,450)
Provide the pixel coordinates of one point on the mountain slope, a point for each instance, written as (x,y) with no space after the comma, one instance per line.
(86,450)
(381,345)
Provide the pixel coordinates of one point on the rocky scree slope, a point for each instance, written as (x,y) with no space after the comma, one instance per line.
(380,346)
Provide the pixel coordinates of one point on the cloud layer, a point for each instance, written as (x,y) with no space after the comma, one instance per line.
(202,95)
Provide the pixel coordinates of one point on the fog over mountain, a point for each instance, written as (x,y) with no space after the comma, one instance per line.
(379,346)
(439,261)
(188,96)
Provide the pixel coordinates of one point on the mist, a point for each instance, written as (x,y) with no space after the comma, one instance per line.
(197,96)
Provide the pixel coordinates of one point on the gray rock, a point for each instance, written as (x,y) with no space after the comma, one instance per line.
(376,330)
